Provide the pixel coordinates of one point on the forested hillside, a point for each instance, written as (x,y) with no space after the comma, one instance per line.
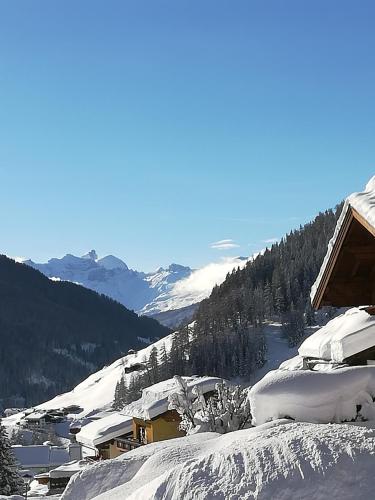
(53,334)
(227,337)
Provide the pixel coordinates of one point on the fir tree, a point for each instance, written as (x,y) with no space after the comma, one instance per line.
(153,365)
(121,394)
(10,480)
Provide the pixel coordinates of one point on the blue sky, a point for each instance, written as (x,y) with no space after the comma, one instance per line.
(152,129)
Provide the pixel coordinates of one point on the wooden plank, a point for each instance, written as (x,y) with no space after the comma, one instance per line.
(363,221)
(316,303)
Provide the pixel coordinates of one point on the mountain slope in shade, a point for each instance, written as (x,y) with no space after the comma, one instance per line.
(164,290)
(58,333)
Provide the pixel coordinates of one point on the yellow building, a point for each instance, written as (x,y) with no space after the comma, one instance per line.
(145,421)
(164,426)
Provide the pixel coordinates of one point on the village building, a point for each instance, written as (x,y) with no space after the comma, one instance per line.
(347,279)
(40,458)
(144,421)
(56,480)
(107,437)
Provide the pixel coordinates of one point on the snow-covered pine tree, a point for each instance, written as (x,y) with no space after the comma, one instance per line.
(183,403)
(153,366)
(121,395)
(164,368)
(10,480)
(227,411)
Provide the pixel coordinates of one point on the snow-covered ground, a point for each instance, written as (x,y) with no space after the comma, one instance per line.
(278,349)
(163,290)
(278,461)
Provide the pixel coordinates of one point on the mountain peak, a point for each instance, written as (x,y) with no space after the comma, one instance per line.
(178,268)
(92,255)
(112,262)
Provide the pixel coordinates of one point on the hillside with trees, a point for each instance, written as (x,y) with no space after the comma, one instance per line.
(226,338)
(54,333)
(275,286)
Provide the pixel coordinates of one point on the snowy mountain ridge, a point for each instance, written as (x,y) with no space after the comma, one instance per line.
(165,289)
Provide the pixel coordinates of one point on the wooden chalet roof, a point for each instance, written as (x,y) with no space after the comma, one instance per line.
(347,275)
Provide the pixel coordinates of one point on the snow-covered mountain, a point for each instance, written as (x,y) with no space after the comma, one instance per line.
(149,294)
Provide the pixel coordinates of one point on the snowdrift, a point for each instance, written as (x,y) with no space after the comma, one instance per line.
(309,396)
(275,461)
(342,337)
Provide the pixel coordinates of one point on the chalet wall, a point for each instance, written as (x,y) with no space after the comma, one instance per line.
(160,428)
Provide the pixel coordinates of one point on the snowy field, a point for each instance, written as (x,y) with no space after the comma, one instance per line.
(278,461)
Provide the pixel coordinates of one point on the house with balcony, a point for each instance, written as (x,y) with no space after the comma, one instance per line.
(107,437)
(144,421)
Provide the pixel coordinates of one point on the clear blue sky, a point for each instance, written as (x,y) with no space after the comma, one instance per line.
(150,129)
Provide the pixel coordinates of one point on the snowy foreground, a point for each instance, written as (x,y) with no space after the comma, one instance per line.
(277,461)
(321,397)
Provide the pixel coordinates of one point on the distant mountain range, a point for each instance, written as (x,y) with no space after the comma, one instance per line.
(169,294)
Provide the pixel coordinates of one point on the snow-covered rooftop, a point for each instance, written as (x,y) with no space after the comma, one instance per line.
(68,469)
(313,396)
(364,204)
(40,455)
(104,429)
(342,337)
(35,416)
(154,400)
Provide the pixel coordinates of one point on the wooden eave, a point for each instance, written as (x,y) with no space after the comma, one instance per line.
(363,253)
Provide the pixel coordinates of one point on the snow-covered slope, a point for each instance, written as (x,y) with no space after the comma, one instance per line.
(277,461)
(97,391)
(146,293)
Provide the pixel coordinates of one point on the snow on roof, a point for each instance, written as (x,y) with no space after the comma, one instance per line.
(35,416)
(68,469)
(154,400)
(104,429)
(344,336)
(310,396)
(364,204)
(274,461)
(40,455)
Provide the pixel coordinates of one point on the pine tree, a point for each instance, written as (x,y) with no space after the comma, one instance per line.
(10,480)
(121,394)
(153,365)
(136,385)
(164,365)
